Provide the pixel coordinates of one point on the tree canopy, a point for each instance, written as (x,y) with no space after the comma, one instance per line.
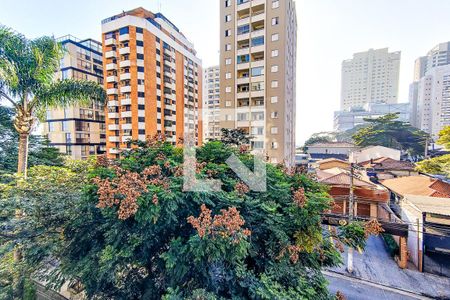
(126,229)
(389,132)
(444,137)
(439,165)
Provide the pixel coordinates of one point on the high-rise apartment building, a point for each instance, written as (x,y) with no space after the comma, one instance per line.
(258,72)
(78,131)
(370,77)
(424,84)
(433,100)
(153,80)
(211,103)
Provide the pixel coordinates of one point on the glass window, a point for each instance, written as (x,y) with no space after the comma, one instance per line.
(243,29)
(258,41)
(64,125)
(243,58)
(51,126)
(275,21)
(228,32)
(258,116)
(242,1)
(139,30)
(124,30)
(139,43)
(257,144)
(258,71)
(257,86)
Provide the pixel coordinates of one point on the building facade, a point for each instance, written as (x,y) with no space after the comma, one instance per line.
(211,103)
(78,131)
(370,77)
(349,119)
(153,81)
(258,71)
(428,93)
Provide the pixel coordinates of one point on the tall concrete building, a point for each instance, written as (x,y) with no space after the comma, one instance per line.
(153,80)
(433,100)
(258,71)
(370,77)
(438,56)
(78,131)
(211,103)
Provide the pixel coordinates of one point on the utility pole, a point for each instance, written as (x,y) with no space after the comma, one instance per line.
(351,200)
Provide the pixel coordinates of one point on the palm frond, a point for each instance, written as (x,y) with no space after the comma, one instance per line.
(64,93)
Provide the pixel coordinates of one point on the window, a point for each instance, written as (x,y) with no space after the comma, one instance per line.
(274,145)
(228,75)
(258,41)
(275,21)
(274,69)
(51,127)
(68,138)
(227,47)
(124,30)
(275,4)
(274,99)
(243,29)
(64,125)
(274,84)
(139,43)
(274,115)
(243,59)
(227,18)
(242,1)
(65,74)
(227,103)
(274,53)
(258,116)
(257,130)
(140,69)
(258,71)
(275,37)
(274,130)
(228,32)
(227,3)
(257,86)
(228,89)
(257,145)
(139,30)
(228,61)
(242,116)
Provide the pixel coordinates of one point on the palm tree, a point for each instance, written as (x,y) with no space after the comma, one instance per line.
(27,81)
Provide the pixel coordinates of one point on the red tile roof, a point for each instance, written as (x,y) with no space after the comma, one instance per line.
(387,163)
(418,185)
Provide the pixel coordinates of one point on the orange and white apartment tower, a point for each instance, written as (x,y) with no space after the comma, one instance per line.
(153,79)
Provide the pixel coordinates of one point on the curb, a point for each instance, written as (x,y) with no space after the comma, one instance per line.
(418,295)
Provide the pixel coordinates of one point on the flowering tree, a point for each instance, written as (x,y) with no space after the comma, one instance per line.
(136,234)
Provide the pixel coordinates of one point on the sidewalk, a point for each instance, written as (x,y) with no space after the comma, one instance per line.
(376,265)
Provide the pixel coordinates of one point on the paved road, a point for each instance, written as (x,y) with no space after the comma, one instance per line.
(354,289)
(376,265)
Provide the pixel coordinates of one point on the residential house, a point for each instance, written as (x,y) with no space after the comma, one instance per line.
(330,163)
(370,199)
(374,152)
(419,185)
(429,232)
(387,168)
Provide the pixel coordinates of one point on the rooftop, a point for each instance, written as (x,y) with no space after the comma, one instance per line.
(432,205)
(418,185)
(333,145)
(387,163)
(341,177)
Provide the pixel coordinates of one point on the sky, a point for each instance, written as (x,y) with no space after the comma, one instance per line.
(329,31)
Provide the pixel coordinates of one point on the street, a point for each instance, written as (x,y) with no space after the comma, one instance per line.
(360,290)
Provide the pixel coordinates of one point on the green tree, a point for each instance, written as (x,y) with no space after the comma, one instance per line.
(27,70)
(438,165)
(40,151)
(444,137)
(234,137)
(389,132)
(135,233)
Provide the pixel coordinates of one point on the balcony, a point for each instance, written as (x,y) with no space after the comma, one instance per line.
(258,93)
(243,21)
(125,76)
(140,88)
(243,80)
(141,101)
(244,36)
(112,91)
(113,115)
(114,139)
(259,32)
(125,114)
(113,127)
(110,54)
(126,138)
(241,95)
(125,50)
(112,78)
(126,101)
(111,66)
(127,126)
(125,63)
(258,16)
(243,51)
(125,89)
(242,6)
(112,103)
(243,66)
(110,41)
(124,37)
(114,151)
